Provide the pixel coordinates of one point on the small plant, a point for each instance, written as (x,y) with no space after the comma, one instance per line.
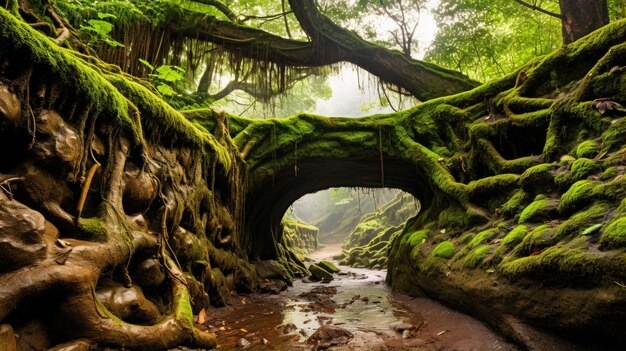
(165,77)
(98,30)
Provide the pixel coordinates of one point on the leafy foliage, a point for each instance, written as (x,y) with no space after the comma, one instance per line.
(98,30)
(487,39)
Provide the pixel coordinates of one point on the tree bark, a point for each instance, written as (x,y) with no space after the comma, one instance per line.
(581,17)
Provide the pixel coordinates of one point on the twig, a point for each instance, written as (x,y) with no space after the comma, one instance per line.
(85,191)
(537,8)
(64,31)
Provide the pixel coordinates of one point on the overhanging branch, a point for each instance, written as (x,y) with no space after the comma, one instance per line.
(537,8)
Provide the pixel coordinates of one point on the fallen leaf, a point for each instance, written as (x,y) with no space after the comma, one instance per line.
(243,330)
(594,228)
(222,328)
(442,332)
(604,105)
(202,316)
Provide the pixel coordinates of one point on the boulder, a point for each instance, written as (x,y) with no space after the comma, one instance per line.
(319,273)
(329,267)
(22,238)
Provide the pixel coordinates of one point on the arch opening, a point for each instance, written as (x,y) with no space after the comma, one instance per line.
(354,225)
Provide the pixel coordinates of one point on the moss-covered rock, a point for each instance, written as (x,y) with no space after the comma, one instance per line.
(444,250)
(319,273)
(328,266)
(539,210)
(587,149)
(583,168)
(614,236)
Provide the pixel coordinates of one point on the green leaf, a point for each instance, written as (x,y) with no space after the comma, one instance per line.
(169,73)
(166,90)
(102,15)
(100,27)
(113,43)
(594,228)
(147,64)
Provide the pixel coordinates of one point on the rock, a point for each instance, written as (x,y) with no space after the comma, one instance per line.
(243,343)
(139,189)
(327,336)
(10,105)
(272,286)
(33,336)
(319,273)
(148,273)
(56,139)
(289,327)
(129,304)
(329,267)
(7,336)
(48,193)
(403,326)
(272,270)
(76,345)
(22,238)
(187,246)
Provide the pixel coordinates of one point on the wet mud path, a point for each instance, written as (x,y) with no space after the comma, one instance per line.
(357,301)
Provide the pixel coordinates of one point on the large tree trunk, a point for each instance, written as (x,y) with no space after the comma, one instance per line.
(581,17)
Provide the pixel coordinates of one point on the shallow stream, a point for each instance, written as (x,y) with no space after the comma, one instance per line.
(356,300)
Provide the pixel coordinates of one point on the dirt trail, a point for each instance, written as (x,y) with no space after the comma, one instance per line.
(357,301)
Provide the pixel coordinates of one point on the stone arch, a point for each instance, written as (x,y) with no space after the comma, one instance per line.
(262,222)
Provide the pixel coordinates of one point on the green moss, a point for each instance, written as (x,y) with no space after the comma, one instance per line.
(583,168)
(609,173)
(588,149)
(577,195)
(476,256)
(614,236)
(445,250)
(417,238)
(582,220)
(537,177)
(513,238)
(613,137)
(538,210)
(319,273)
(541,237)
(93,229)
(328,266)
(516,203)
(488,185)
(481,238)
(453,217)
(466,237)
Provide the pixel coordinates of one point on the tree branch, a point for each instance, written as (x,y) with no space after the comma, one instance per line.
(537,8)
(220,6)
(329,44)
